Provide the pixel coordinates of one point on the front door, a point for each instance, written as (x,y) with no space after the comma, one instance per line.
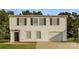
(16,36)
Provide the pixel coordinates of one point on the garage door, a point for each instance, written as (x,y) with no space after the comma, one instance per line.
(55,36)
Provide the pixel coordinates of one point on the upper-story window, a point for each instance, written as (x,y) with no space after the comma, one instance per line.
(54,21)
(34,21)
(21,21)
(42,21)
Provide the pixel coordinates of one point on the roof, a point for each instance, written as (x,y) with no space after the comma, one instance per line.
(38,15)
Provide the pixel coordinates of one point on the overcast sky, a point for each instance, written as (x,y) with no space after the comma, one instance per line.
(46,11)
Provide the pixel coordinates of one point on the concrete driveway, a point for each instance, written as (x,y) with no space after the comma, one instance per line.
(57,45)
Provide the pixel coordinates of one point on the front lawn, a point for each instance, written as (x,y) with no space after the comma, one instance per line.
(18,46)
(4,41)
(5,44)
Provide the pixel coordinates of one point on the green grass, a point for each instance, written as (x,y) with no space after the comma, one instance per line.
(71,39)
(18,46)
(3,41)
(27,45)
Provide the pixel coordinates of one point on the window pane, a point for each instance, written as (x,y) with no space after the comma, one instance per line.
(38,35)
(42,21)
(28,34)
(54,21)
(35,21)
(25,21)
(22,21)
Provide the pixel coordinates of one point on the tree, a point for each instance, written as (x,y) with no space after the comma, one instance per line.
(74,14)
(34,13)
(72,24)
(39,12)
(4,24)
(27,12)
(10,12)
(69,23)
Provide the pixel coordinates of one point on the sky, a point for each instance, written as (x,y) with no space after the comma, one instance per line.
(46,11)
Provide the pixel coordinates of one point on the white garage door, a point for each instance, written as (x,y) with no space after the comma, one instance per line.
(55,36)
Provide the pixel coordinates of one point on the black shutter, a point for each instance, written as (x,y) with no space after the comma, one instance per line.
(17,21)
(25,21)
(58,21)
(44,21)
(50,21)
(31,21)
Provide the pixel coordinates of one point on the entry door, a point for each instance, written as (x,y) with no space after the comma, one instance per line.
(16,36)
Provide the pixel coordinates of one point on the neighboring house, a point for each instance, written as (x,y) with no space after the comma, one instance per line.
(26,28)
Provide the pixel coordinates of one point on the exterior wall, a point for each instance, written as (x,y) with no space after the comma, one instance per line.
(11,36)
(45,29)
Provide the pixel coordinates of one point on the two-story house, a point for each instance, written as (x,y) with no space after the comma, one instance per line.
(26,28)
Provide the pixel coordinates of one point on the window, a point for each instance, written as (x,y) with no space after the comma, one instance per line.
(54,21)
(21,21)
(17,21)
(28,35)
(42,21)
(34,21)
(25,21)
(38,34)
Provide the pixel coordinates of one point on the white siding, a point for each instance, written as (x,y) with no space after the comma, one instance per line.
(44,29)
